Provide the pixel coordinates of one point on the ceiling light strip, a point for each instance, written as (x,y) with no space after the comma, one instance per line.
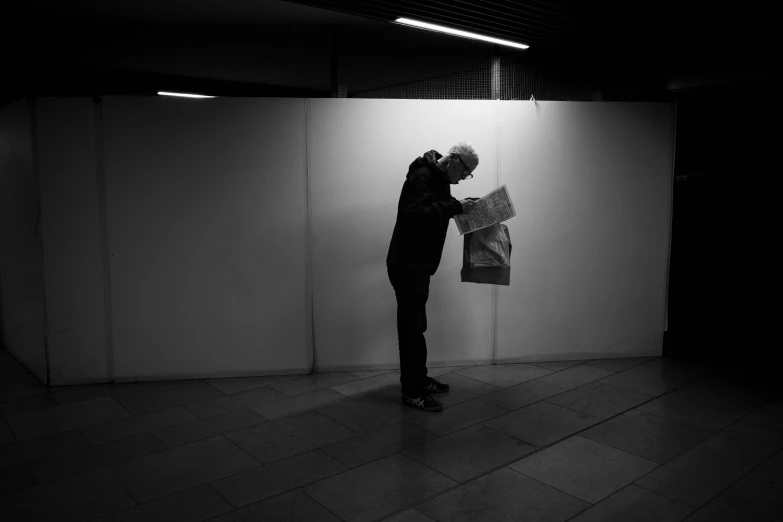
(457,32)
(380,10)
(183,95)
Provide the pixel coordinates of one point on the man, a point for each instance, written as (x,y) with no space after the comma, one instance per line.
(423,215)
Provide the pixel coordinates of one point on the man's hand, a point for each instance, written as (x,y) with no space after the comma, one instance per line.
(467,205)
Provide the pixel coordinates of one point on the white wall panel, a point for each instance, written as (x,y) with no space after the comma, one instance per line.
(73,257)
(206,216)
(591,183)
(21,260)
(207,220)
(359,152)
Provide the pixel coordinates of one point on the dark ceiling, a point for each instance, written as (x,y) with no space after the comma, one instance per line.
(533,22)
(677,37)
(668,28)
(691,34)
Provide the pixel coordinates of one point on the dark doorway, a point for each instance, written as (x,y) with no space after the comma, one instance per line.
(720,275)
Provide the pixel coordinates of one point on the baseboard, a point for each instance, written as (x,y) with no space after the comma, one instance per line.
(483,362)
(189,376)
(362,367)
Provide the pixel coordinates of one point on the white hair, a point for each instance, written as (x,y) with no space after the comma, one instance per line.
(465,150)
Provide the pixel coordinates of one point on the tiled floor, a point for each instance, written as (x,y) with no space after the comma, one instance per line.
(647,439)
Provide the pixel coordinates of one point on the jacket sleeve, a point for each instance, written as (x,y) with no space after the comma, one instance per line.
(420,205)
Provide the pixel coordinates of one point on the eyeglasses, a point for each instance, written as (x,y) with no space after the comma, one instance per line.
(463,164)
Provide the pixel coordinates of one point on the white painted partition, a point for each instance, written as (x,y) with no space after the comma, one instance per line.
(73,254)
(358,153)
(206,220)
(22,299)
(592,187)
(206,228)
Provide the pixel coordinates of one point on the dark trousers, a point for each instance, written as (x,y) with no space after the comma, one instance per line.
(412,288)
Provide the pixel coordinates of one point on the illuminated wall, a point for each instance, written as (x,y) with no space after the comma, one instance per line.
(248,236)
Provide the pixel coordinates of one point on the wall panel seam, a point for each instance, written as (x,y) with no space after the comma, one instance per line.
(671,218)
(494,308)
(100,172)
(31,103)
(309,299)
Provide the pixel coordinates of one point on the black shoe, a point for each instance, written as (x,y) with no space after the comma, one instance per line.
(422,402)
(434,386)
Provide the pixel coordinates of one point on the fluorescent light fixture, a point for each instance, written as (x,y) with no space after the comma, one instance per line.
(183,95)
(457,32)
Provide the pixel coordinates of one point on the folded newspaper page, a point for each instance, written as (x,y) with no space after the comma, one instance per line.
(492,208)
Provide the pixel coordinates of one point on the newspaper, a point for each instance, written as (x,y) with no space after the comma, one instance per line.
(492,208)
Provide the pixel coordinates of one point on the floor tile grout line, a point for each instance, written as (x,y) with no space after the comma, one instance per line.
(591,504)
(695,509)
(779,430)
(301,490)
(754,468)
(673,390)
(380,390)
(626,487)
(537,450)
(184,406)
(213,386)
(206,381)
(369,431)
(326,387)
(538,364)
(260,465)
(540,449)
(460,484)
(546,399)
(689,449)
(624,369)
(165,448)
(297,377)
(230,430)
(211,483)
(211,486)
(130,495)
(556,371)
(49,456)
(103,464)
(265,464)
(140,504)
(130,416)
(319,449)
(713,431)
(439,436)
(506,465)
(356,432)
(17,399)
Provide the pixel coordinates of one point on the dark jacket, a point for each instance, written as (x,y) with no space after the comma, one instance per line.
(423,215)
